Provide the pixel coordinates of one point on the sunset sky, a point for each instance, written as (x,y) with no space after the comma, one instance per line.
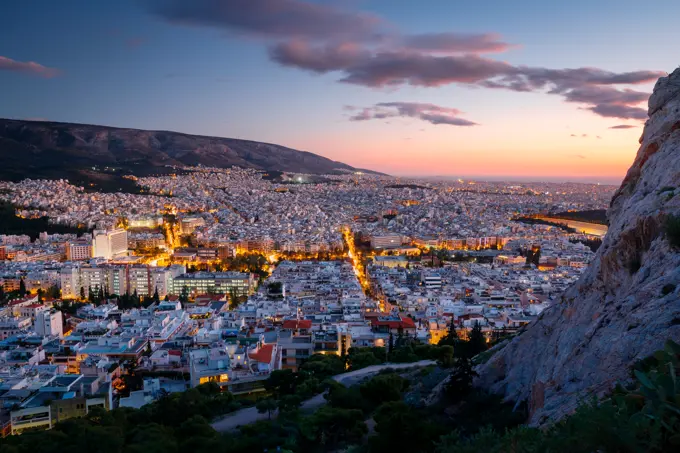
(524,89)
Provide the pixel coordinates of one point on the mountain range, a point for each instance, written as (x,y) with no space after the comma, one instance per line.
(94,154)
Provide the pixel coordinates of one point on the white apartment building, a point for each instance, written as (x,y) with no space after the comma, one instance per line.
(109,244)
(119,279)
(50,323)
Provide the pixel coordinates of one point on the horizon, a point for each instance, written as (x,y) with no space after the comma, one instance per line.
(382,86)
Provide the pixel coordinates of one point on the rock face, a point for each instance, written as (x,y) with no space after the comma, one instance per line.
(47,149)
(626,305)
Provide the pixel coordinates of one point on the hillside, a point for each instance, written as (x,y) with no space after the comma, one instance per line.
(64,150)
(626,305)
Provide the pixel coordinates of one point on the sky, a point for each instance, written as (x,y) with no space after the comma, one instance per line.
(488,89)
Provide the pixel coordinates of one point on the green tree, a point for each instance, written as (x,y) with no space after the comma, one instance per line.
(281,382)
(444,356)
(184,295)
(54,292)
(460,380)
(451,338)
(332,428)
(266,406)
(22,287)
(401,428)
(383,388)
(477,342)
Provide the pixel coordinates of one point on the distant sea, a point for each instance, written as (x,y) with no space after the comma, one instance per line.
(524,179)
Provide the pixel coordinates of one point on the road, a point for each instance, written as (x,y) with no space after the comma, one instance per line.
(250,415)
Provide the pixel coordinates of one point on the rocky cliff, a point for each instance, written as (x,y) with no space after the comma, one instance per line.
(626,305)
(48,149)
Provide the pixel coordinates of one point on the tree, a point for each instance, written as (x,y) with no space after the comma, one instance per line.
(53,292)
(90,295)
(390,346)
(267,405)
(460,380)
(477,342)
(82,293)
(333,428)
(41,294)
(22,287)
(444,356)
(401,428)
(451,337)
(281,382)
(184,295)
(288,404)
(383,388)
(156,297)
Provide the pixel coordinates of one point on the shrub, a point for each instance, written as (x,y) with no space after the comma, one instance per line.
(673,230)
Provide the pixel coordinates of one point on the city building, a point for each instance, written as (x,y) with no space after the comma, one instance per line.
(109,244)
(240,284)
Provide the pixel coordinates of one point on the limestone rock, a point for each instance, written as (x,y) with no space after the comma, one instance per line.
(618,312)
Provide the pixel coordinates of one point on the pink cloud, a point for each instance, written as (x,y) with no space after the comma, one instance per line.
(27,67)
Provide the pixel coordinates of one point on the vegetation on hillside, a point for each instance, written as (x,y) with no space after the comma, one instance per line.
(11,224)
(374,417)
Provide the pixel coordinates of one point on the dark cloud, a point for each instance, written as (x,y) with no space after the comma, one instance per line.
(558,81)
(604,95)
(27,67)
(431,113)
(623,126)
(408,68)
(620,111)
(317,58)
(280,19)
(456,42)
(368,51)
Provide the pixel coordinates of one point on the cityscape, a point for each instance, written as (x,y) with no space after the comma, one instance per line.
(318,226)
(227,276)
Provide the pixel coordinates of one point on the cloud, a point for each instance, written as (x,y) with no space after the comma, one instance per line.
(365,50)
(135,42)
(269,18)
(623,126)
(27,67)
(320,58)
(623,112)
(358,65)
(431,113)
(396,68)
(456,42)
(579,156)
